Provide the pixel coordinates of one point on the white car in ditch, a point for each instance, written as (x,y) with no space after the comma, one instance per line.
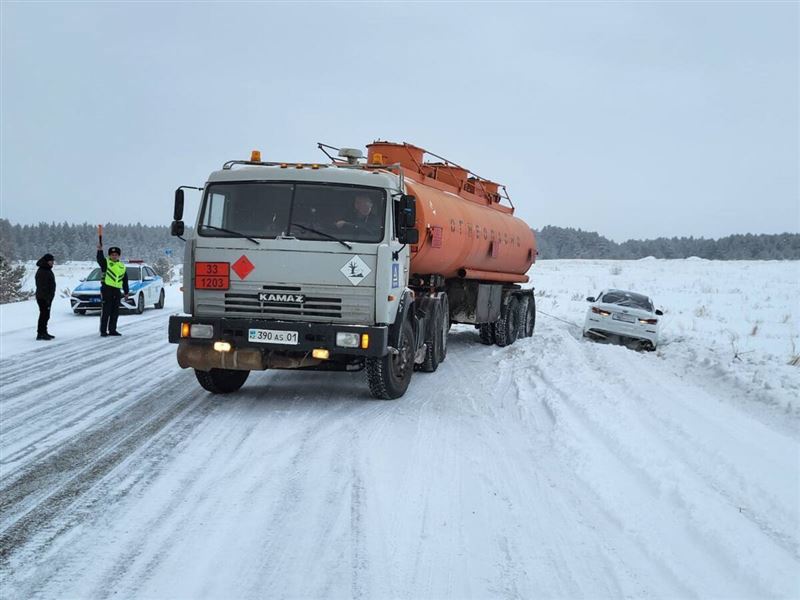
(623,316)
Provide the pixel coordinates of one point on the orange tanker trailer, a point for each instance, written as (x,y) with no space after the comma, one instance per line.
(464,230)
(471,247)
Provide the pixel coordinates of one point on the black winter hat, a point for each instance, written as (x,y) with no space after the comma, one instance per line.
(48,257)
(114,249)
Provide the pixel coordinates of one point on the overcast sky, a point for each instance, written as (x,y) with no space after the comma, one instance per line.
(635,120)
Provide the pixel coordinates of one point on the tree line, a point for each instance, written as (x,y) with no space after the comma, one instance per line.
(567,242)
(149,242)
(68,241)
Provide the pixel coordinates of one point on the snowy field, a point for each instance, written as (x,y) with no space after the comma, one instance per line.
(553,468)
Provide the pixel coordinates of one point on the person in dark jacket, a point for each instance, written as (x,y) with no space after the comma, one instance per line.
(112,286)
(45,292)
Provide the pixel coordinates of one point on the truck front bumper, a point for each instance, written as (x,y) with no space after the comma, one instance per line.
(199,353)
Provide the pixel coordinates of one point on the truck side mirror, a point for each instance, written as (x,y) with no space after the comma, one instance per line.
(659,312)
(177,214)
(177,228)
(408,210)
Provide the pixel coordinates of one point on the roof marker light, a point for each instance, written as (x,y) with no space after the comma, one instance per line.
(255,156)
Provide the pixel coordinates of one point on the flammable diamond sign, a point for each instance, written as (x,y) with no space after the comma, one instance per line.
(243,267)
(356,270)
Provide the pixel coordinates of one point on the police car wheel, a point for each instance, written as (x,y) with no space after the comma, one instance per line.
(140,304)
(160,303)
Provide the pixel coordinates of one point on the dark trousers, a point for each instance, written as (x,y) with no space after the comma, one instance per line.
(108,317)
(44,316)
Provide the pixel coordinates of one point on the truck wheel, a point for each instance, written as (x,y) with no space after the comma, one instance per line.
(160,303)
(388,376)
(140,304)
(487,331)
(221,381)
(529,316)
(507,327)
(433,341)
(445,327)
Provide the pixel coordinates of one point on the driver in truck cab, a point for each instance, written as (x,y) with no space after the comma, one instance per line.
(362,216)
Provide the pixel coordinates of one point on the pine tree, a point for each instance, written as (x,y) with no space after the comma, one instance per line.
(163,267)
(11,282)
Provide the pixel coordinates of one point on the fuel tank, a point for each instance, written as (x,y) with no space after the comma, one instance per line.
(464,231)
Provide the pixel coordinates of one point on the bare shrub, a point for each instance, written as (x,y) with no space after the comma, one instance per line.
(701,311)
(615,270)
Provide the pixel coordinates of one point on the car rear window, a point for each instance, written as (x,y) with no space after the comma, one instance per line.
(628,299)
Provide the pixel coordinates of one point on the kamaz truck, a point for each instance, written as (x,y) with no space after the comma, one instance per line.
(354,264)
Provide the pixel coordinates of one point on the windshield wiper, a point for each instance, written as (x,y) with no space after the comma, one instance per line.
(318,232)
(233,232)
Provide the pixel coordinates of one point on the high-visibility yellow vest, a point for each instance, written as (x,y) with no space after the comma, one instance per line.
(115,273)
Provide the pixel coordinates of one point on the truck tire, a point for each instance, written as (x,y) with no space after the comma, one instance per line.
(487,331)
(221,381)
(160,303)
(433,341)
(529,316)
(445,327)
(507,328)
(388,376)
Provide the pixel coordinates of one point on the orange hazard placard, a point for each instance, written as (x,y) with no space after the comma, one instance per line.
(212,275)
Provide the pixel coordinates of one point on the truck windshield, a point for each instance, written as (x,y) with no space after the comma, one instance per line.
(306,211)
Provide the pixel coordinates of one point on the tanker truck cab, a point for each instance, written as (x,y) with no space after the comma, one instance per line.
(298,267)
(354,265)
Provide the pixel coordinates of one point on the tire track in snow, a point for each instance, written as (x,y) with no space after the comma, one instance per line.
(47,414)
(56,481)
(591,364)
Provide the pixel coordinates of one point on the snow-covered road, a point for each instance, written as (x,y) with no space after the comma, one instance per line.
(552,468)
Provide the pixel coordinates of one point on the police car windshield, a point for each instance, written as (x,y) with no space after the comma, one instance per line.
(306,211)
(134,274)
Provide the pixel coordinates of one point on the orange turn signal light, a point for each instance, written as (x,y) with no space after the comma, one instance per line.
(184,330)
(364,341)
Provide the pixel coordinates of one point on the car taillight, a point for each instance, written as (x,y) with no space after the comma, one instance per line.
(648,321)
(600,311)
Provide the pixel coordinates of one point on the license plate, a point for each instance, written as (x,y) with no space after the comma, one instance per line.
(624,318)
(272,336)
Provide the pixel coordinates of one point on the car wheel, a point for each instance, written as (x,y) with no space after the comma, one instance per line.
(433,340)
(508,327)
(160,303)
(388,376)
(487,333)
(140,304)
(221,381)
(529,316)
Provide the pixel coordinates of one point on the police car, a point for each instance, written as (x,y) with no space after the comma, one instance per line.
(144,285)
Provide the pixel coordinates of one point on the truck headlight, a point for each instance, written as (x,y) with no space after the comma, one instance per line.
(204,332)
(346,339)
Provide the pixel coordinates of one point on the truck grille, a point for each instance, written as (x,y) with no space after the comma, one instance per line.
(246,303)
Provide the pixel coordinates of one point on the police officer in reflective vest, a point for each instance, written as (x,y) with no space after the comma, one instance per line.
(114,282)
